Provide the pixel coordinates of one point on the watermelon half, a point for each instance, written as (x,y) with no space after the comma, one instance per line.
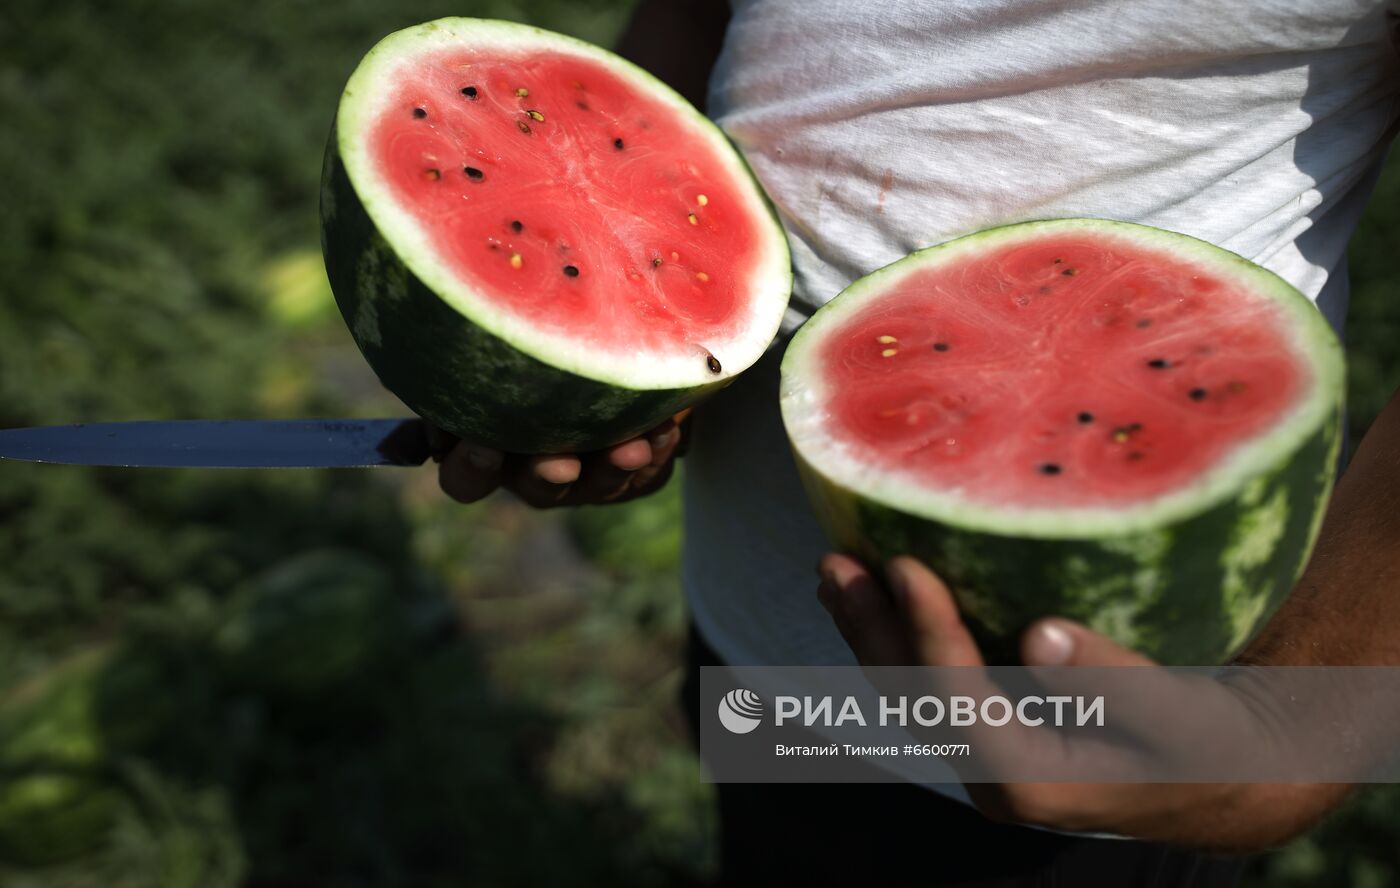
(1105,421)
(536,244)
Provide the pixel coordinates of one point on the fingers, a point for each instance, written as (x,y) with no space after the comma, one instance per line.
(937,632)
(623,471)
(629,455)
(663,442)
(1138,696)
(469,472)
(545,480)
(440,443)
(863,612)
(1057,642)
(607,475)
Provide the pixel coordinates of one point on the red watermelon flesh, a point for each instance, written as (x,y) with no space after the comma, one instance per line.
(1066,371)
(568,197)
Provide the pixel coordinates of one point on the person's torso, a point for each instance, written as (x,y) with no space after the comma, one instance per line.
(879,129)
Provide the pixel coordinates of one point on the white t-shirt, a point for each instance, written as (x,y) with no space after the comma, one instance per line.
(880,128)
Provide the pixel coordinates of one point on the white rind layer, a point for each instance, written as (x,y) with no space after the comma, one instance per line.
(371,87)
(803,393)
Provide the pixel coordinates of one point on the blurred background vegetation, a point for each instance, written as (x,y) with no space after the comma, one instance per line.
(330,678)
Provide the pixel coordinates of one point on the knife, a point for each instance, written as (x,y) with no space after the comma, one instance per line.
(225,443)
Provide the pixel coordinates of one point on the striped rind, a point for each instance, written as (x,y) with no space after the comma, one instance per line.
(1189,592)
(1186,582)
(550,366)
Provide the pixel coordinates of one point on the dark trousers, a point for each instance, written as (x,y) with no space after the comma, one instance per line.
(879,834)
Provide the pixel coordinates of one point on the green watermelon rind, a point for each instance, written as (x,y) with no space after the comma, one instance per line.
(1190,592)
(462,362)
(1314,338)
(1186,584)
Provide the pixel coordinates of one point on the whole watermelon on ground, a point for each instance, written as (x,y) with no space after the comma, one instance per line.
(536,244)
(57,798)
(307,626)
(1105,421)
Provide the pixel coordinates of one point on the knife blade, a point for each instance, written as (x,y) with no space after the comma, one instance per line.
(224,443)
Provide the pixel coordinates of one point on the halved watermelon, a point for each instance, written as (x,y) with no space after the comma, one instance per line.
(1099,420)
(536,244)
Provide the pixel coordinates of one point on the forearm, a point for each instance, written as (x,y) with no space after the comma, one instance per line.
(678,41)
(1345,610)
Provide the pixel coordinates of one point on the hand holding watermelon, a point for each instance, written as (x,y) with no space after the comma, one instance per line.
(636,467)
(1340,613)
(917,623)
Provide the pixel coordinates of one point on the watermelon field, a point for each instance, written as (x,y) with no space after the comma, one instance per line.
(333,677)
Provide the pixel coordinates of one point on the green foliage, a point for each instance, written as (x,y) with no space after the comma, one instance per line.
(279,678)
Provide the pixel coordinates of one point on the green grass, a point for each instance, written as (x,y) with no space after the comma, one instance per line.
(491,700)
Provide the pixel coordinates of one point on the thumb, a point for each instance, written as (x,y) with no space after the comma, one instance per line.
(1058,642)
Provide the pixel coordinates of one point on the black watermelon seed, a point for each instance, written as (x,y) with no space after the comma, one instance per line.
(582,106)
(1086,417)
(419,113)
(473,173)
(1049,468)
(940,346)
(469,92)
(656,263)
(1057,262)
(523,127)
(1159,363)
(617,143)
(1197,394)
(713,363)
(1144,323)
(516,226)
(1071,272)
(571,271)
